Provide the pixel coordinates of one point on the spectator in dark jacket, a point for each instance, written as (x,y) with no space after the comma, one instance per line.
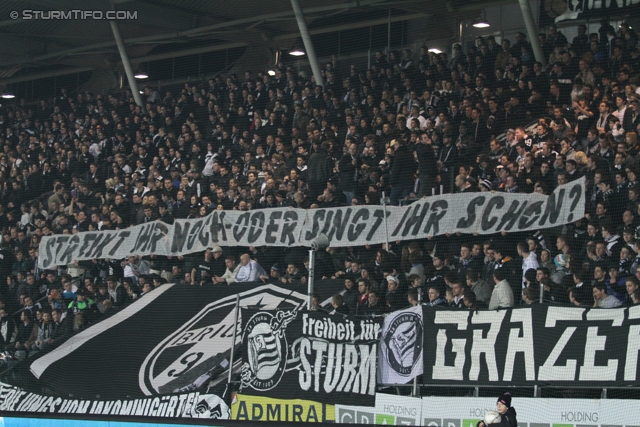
(348,166)
(24,335)
(374,305)
(402,171)
(117,292)
(350,297)
(337,302)
(319,170)
(426,165)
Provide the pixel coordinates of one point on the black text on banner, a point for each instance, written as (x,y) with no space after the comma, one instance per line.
(482,213)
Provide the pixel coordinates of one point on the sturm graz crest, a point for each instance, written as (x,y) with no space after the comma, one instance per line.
(267,349)
(198,352)
(403,340)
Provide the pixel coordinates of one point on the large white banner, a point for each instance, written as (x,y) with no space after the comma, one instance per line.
(482,213)
(400,356)
(531,412)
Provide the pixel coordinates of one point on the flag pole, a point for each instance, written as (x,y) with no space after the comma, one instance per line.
(233,342)
(310,281)
(386,227)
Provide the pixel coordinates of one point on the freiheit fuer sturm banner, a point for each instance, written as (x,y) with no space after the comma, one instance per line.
(540,345)
(288,354)
(482,213)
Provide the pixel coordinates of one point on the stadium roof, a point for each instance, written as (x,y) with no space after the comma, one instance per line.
(38,48)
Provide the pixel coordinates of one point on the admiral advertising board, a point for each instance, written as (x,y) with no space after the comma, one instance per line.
(258,408)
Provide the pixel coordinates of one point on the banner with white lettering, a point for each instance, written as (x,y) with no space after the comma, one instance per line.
(532,412)
(176,350)
(594,9)
(400,358)
(389,410)
(288,354)
(187,405)
(482,213)
(539,344)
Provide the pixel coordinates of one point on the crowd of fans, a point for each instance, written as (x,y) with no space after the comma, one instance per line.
(413,125)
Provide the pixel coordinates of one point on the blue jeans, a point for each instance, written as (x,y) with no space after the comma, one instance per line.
(349,195)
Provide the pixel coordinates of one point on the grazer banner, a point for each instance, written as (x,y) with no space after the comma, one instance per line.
(532,412)
(482,213)
(540,344)
(400,358)
(176,351)
(186,405)
(288,354)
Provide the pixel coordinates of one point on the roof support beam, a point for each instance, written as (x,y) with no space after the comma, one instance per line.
(532,30)
(126,63)
(192,32)
(308,45)
(213,48)
(187,52)
(361,24)
(46,75)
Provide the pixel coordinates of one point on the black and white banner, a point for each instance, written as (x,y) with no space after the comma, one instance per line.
(288,354)
(482,213)
(539,344)
(187,405)
(151,348)
(400,359)
(585,9)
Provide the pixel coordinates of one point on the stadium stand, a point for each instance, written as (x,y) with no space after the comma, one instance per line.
(415,124)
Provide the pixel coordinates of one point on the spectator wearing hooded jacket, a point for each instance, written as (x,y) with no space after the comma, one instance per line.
(117,292)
